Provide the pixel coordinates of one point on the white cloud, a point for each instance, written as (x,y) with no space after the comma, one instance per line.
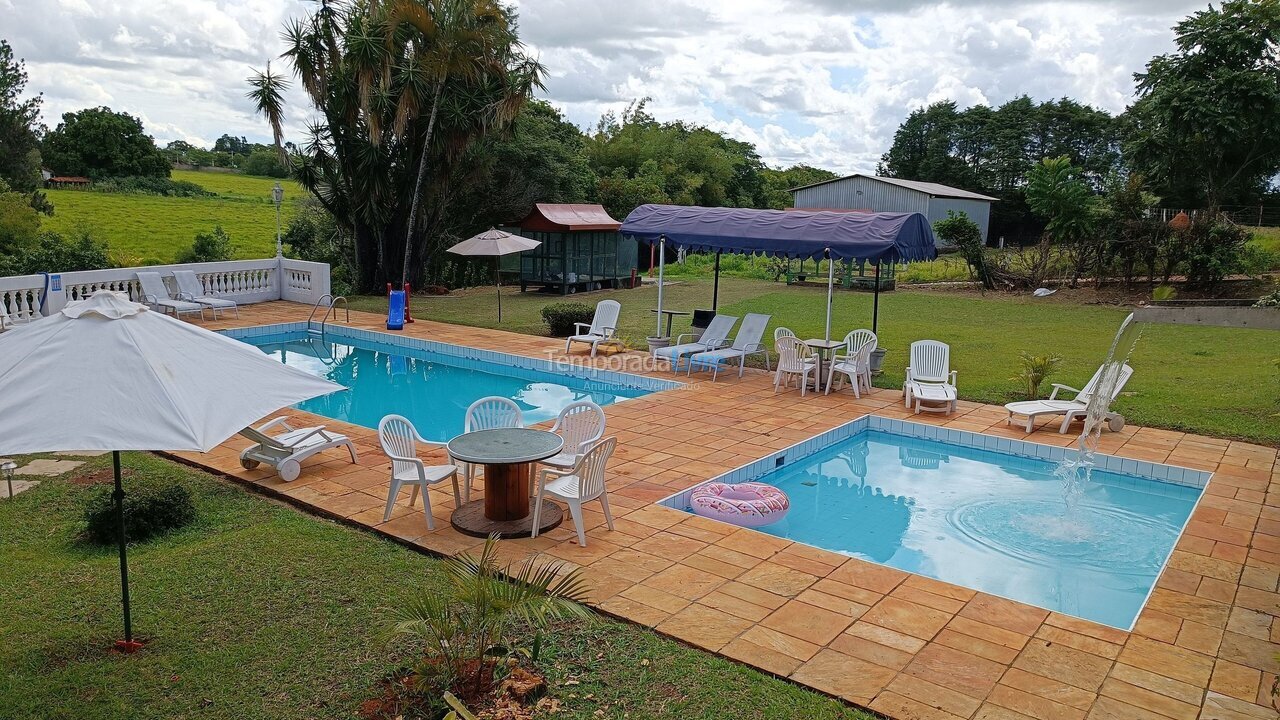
(819,81)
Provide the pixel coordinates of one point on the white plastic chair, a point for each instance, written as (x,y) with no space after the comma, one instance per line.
(930,365)
(855,363)
(190,288)
(781,332)
(487,413)
(603,325)
(794,358)
(582,483)
(581,424)
(399,439)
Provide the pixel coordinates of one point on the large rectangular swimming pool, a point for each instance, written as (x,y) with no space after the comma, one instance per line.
(433,384)
(984,513)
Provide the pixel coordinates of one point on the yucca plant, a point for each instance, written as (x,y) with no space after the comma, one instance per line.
(465,626)
(1035,369)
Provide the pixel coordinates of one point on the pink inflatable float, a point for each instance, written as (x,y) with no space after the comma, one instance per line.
(749,504)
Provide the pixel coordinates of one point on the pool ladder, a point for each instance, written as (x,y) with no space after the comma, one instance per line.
(331,308)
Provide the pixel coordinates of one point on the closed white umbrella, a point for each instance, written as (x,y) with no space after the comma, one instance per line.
(109,374)
(494,243)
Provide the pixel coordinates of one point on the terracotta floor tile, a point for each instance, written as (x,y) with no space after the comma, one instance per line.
(780,642)
(892,704)
(658,599)
(906,617)
(877,578)
(1003,613)
(1143,698)
(734,606)
(684,581)
(870,651)
(844,676)
(960,671)
(777,579)
(703,626)
(807,622)
(636,612)
(1060,662)
(977,646)
(885,636)
(1048,688)
(764,658)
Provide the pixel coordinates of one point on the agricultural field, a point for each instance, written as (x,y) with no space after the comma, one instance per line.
(147,229)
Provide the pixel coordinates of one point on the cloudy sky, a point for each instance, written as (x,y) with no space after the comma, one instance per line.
(819,81)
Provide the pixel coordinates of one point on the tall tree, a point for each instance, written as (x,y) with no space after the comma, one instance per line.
(1206,125)
(776,184)
(19,125)
(404,89)
(1058,192)
(100,143)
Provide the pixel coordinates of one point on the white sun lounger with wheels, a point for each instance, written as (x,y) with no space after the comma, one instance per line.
(746,343)
(1074,409)
(190,288)
(285,452)
(155,294)
(714,337)
(600,332)
(930,378)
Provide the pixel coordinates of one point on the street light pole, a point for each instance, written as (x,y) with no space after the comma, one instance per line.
(277,196)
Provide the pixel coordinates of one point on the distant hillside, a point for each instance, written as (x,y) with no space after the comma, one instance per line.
(141,228)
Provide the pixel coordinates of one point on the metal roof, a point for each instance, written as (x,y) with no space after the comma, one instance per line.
(551,217)
(928,188)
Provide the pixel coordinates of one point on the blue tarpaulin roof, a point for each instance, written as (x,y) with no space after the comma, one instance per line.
(887,237)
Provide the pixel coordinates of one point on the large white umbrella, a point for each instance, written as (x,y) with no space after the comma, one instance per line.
(109,374)
(494,243)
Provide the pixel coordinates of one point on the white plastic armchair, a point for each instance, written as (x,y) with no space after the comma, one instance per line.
(601,329)
(399,440)
(488,413)
(582,483)
(855,362)
(930,365)
(781,332)
(794,358)
(581,424)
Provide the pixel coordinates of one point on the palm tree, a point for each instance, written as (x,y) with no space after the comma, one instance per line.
(462,625)
(404,88)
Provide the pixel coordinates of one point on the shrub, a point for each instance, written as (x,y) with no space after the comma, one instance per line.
(964,234)
(151,507)
(1213,250)
(161,186)
(1269,301)
(1034,371)
(560,317)
(208,247)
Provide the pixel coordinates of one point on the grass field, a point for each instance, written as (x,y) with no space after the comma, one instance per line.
(1215,381)
(260,611)
(143,228)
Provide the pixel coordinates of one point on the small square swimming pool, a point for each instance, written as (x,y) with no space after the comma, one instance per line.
(433,383)
(982,512)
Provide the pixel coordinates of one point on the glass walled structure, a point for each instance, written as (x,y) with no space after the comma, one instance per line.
(581,250)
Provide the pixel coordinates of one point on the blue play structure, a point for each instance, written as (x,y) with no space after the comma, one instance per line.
(395,310)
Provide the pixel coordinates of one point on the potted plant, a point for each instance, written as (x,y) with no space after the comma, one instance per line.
(877,359)
(657,343)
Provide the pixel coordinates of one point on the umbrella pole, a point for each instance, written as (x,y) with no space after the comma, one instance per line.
(715,289)
(875,301)
(831,279)
(128,644)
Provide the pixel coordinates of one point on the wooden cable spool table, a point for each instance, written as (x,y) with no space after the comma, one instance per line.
(508,456)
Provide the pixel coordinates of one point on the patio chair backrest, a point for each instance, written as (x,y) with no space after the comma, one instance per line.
(153,286)
(188,283)
(267,443)
(606,317)
(930,360)
(717,332)
(781,332)
(1091,387)
(856,339)
(398,438)
(580,424)
(792,352)
(489,413)
(751,331)
(590,469)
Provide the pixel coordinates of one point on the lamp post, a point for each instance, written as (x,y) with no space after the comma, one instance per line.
(7,467)
(277,196)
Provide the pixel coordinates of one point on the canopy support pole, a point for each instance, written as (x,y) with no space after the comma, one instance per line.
(715,289)
(127,644)
(831,283)
(662,264)
(875,301)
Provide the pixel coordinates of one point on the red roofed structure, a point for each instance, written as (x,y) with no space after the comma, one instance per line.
(581,249)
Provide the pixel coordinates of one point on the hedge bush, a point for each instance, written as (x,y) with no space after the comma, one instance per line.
(560,317)
(151,507)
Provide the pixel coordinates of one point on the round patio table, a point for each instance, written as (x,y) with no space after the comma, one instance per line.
(508,455)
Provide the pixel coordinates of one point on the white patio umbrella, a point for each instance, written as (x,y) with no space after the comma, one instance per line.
(109,374)
(494,243)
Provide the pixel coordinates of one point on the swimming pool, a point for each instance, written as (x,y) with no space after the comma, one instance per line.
(432,383)
(982,512)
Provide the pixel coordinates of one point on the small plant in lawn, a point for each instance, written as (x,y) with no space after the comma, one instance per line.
(561,318)
(151,507)
(1034,370)
(464,629)
(1163,293)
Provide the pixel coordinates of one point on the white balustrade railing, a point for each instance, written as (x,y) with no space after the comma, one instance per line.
(245,281)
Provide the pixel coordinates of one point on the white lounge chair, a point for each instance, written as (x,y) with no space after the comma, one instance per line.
(581,424)
(487,413)
(399,440)
(794,358)
(930,378)
(746,343)
(603,325)
(191,289)
(1074,409)
(155,294)
(285,452)
(714,337)
(582,483)
(855,362)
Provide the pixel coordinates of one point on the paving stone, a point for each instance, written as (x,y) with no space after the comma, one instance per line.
(19,486)
(82,453)
(47,467)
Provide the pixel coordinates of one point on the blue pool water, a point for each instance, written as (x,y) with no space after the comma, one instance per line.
(432,389)
(986,520)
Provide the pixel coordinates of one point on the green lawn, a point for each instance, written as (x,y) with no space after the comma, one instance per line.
(1214,381)
(260,611)
(146,228)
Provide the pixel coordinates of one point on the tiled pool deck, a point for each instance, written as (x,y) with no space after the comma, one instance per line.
(903,645)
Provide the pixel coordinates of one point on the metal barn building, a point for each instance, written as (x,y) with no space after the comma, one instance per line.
(883,194)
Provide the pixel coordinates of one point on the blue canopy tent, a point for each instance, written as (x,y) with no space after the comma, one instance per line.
(850,236)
